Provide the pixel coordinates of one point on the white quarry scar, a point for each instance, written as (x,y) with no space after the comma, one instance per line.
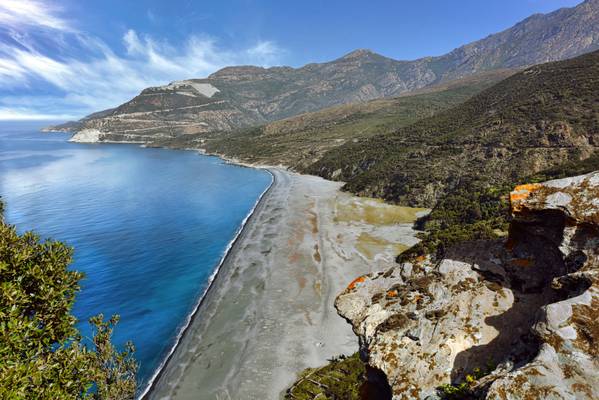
(204,88)
(182,87)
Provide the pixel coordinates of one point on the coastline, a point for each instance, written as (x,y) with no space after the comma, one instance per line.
(245,337)
(190,318)
(269,312)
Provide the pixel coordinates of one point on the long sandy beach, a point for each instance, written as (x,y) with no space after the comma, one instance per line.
(269,313)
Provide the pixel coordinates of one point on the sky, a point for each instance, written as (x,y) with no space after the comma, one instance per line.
(62,60)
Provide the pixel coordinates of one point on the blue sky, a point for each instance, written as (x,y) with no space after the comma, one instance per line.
(65,59)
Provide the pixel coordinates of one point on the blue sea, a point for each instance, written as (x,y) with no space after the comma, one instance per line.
(149,226)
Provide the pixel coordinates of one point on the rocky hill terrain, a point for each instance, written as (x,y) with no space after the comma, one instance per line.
(537,119)
(237,97)
(299,141)
(515,318)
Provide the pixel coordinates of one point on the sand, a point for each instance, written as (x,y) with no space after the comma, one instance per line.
(270,311)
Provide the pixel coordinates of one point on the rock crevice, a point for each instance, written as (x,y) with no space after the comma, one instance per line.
(524,310)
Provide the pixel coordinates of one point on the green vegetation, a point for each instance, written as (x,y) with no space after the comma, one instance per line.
(43,354)
(539,124)
(299,141)
(473,211)
(463,390)
(478,211)
(535,120)
(341,379)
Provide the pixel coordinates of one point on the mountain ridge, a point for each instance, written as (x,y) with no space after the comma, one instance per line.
(531,121)
(249,95)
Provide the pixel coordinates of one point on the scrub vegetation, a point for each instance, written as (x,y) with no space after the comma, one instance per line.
(540,124)
(43,354)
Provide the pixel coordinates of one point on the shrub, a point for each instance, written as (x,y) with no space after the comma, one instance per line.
(43,354)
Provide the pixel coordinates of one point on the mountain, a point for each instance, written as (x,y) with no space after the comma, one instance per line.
(540,38)
(537,119)
(243,96)
(299,141)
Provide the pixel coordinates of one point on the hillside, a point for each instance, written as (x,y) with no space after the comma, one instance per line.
(236,97)
(535,120)
(299,141)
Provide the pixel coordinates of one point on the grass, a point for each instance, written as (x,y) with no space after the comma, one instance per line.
(375,212)
(341,379)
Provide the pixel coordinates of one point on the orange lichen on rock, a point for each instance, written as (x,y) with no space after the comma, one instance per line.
(522,262)
(510,243)
(353,283)
(392,293)
(521,192)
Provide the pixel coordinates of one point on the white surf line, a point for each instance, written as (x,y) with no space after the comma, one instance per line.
(149,386)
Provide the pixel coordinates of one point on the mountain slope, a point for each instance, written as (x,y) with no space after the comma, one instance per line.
(244,96)
(299,141)
(540,38)
(537,119)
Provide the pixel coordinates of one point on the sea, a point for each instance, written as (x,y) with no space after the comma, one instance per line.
(149,226)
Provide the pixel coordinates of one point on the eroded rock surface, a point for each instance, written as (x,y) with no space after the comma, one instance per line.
(525,309)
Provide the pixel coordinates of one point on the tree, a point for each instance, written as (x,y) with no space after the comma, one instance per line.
(43,355)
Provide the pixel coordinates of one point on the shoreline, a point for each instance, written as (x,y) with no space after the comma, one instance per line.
(246,337)
(269,313)
(211,280)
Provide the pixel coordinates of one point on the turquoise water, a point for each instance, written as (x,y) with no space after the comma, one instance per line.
(148,226)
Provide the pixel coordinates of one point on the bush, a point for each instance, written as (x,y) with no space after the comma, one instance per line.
(463,390)
(474,211)
(42,352)
(341,379)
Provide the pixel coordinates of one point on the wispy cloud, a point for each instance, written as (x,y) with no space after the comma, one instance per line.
(94,76)
(20,13)
(26,114)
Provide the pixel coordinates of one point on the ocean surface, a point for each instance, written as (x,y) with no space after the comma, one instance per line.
(149,226)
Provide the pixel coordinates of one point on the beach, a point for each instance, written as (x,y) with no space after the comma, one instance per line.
(270,312)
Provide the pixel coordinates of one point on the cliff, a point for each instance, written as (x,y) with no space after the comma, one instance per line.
(504,319)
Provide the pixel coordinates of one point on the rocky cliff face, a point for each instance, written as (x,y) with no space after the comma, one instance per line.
(540,38)
(237,97)
(523,312)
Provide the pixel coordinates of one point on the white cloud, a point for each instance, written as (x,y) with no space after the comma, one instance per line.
(24,114)
(19,13)
(132,43)
(266,52)
(103,79)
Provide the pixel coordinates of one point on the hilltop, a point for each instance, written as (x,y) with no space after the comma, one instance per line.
(243,96)
(299,141)
(536,119)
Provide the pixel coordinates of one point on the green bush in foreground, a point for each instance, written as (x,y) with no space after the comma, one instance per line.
(42,353)
(341,379)
(463,390)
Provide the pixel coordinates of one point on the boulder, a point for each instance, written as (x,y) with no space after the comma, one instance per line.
(519,315)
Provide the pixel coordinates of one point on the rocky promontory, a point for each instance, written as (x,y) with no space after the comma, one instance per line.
(513,318)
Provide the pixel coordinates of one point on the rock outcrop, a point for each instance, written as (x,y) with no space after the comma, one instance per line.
(87,136)
(523,312)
